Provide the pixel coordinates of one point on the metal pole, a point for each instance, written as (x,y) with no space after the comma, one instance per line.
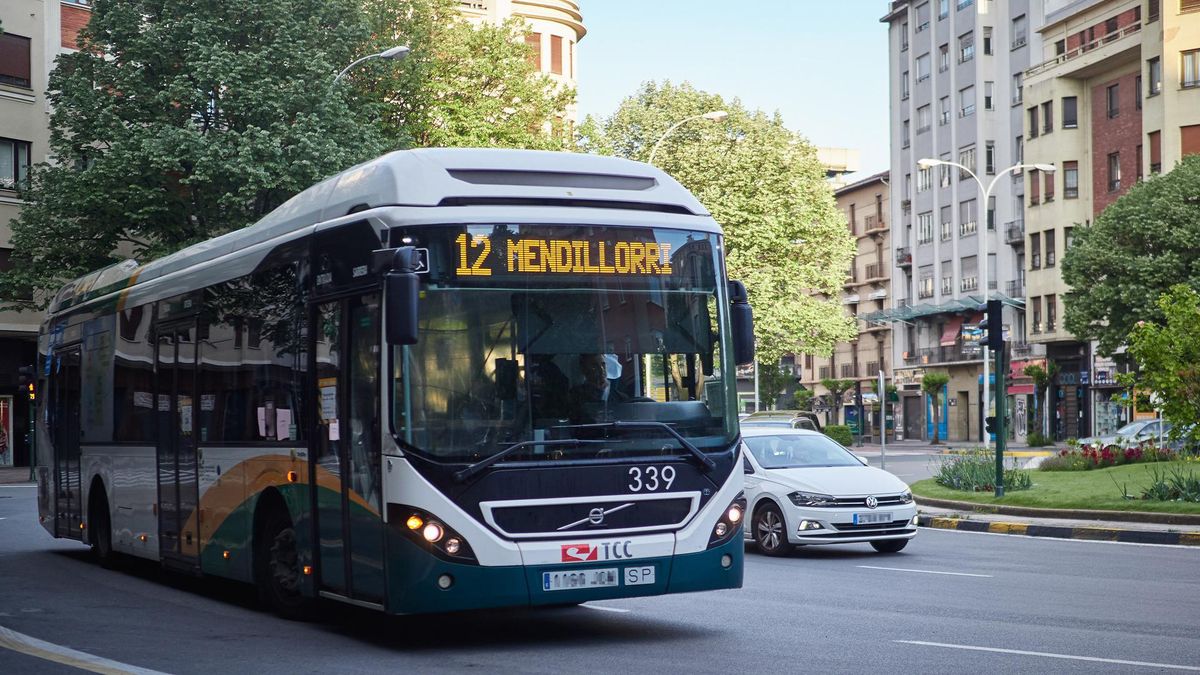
(882,422)
(1001,404)
(756,408)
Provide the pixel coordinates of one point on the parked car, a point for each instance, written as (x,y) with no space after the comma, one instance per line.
(1134,433)
(788,419)
(804,488)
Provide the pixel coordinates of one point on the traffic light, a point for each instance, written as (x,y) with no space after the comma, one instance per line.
(995,325)
(989,424)
(25,379)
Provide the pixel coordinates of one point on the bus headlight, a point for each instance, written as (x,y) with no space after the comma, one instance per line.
(433,532)
(730,521)
(430,533)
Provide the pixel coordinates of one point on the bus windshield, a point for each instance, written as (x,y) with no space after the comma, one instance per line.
(549,333)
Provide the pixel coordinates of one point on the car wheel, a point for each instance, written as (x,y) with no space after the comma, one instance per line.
(770,530)
(890,545)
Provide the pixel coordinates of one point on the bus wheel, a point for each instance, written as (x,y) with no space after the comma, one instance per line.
(100,532)
(279,568)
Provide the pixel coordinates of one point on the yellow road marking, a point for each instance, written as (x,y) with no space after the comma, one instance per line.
(1008,528)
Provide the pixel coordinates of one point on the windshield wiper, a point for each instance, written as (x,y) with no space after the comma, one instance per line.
(706,462)
(471,471)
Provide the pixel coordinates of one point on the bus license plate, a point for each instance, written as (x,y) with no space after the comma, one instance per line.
(872,518)
(567,580)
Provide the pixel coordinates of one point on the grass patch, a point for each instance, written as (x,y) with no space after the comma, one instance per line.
(1098,489)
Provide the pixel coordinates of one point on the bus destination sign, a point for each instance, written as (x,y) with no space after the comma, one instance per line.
(478,257)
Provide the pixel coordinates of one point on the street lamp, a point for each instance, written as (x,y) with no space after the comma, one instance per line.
(928,163)
(714,116)
(394,54)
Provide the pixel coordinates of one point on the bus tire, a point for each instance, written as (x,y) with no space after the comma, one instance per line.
(100,527)
(277,566)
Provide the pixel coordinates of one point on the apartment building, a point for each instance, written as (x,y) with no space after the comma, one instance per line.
(1114,97)
(956,71)
(555,28)
(35,33)
(867,289)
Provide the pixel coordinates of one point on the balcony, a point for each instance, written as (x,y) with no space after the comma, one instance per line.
(1101,43)
(851,277)
(967,229)
(953,354)
(904,257)
(874,225)
(1014,233)
(969,284)
(876,271)
(1015,289)
(849,370)
(825,372)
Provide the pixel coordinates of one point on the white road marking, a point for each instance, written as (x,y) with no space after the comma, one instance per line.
(19,642)
(607,609)
(19,485)
(1075,541)
(905,569)
(1049,655)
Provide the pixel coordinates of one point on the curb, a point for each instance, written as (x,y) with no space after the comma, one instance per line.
(1068,514)
(1060,532)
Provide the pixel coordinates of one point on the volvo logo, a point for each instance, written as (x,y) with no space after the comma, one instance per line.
(596,516)
(872,502)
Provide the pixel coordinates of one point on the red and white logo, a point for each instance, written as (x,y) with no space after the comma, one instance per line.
(579,552)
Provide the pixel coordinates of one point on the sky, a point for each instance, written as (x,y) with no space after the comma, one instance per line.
(821,63)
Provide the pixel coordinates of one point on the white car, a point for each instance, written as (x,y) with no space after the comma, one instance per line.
(803,488)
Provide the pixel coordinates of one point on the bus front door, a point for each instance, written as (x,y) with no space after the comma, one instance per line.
(66,385)
(178,489)
(346,454)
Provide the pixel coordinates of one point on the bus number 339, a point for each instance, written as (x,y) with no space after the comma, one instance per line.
(651,478)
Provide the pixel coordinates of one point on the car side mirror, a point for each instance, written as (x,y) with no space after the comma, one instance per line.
(863,460)
(741,318)
(401,295)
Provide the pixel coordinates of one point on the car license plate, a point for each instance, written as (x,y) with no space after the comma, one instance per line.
(872,518)
(567,580)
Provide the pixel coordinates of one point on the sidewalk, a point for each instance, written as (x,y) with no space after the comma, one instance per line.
(1059,528)
(947,447)
(10,475)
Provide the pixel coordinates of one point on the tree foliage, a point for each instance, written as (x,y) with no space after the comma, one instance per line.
(179,121)
(773,380)
(1168,359)
(462,85)
(1140,246)
(837,389)
(785,238)
(932,384)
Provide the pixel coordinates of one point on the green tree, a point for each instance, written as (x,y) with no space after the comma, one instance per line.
(773,380)
(462,85)
(1042,377)
(1138,247)
(932,384)
(837,389)
(179,121)
(804,399)
(786,239)
(1168,359)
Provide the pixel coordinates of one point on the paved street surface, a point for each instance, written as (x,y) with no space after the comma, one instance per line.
(951,603)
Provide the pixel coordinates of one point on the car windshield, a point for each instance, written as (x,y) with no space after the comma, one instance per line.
(534,332)
(787,424)
(1130,429)
(794,451)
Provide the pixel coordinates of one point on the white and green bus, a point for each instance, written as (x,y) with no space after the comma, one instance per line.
(440,380)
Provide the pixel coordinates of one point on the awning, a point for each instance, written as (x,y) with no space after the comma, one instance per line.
(950,334)
(1020,389)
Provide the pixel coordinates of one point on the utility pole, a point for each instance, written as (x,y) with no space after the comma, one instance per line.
(995,340)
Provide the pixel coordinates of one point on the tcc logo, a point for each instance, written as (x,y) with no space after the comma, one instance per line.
(579,552)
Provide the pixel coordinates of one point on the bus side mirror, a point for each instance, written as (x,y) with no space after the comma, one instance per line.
(401,293)
(741,323)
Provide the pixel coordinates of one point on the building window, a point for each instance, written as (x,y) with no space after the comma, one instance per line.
(1114,171)
(966,47)
(968,212)
(904,134)
(922,67)
(1035,188)
(1154,72)
(924,119)
(943,9)
(989,158)
(14,163)
(1019,150)
(1070,180)
(924,181)
(922,17)
(1018,88)
(988,99)
(1047,117)
(991,213)
(1138,163)
(1060,47)
(943,58)
(1189,70)
(1155,151)
(925,290)
(1033,122)
(1189,140)
(944,172)
(1037,315)
(1035,251)
(966,102)
(966,157)
(534,42)
(1070,112)
(947,278)
(925,227)
(1113,97)
(1189,6)
(1051,313)
(987,40)
(1048,193)
(1152,10)
(943,111)
(556,55)
(1019,35)
(947,225)
(14,60)
(904,36)
(904,86)
(963,4)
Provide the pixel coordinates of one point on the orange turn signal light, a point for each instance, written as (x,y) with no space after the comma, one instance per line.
(414,522)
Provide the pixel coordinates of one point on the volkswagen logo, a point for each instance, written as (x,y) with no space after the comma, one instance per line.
(872,502)
(596,516)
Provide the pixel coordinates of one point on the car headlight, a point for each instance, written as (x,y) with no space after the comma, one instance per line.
(906,497)
(812,499)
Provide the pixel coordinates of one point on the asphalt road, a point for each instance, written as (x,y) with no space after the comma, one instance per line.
(935,608)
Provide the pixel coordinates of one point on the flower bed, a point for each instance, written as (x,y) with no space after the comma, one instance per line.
(1088,457)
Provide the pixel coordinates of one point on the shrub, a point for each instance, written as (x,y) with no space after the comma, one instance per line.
(840,433)
(1173,486)
(1089,457)
(1036,440)
(975,471)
